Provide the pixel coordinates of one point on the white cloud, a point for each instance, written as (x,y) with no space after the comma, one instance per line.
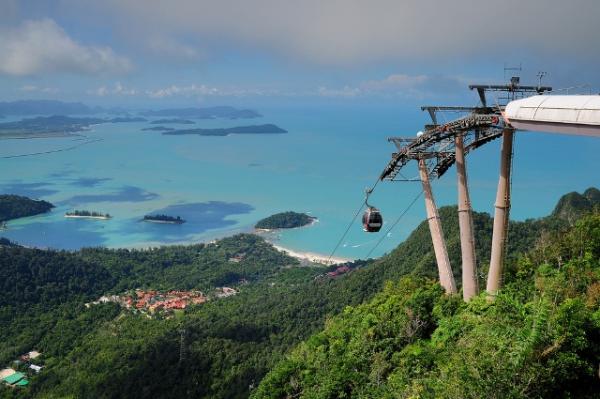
(348,32)
(402,85)
(194,90)
(191,90)
(344,92)
(34,88)
(42,46)
(117,89)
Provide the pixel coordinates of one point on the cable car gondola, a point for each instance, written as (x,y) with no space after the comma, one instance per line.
(372,219)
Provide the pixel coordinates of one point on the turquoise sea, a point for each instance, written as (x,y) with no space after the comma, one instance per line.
(223,185)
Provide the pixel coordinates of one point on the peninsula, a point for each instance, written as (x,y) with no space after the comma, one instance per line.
(285,220)
(16,206)
(87,215)
(50,126)
(163,219)
(254,129)
(174,120)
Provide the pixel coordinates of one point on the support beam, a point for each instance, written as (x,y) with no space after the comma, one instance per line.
(501,215)
(437,234)
(465,222)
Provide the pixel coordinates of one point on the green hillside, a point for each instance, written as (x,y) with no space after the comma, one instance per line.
(220,349)
(539,339)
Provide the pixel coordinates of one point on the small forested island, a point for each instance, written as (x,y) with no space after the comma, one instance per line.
(163,219)
(87,214)
(285,220)
(254,129)
(174,120)
(158,129)
(16,206)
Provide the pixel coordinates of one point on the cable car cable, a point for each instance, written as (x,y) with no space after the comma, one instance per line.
(395,223)
(370,190)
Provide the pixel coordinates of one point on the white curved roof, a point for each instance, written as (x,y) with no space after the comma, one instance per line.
(570,114)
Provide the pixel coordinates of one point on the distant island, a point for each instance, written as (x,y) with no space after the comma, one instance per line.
(255,129)
(158,129)
(206,113)
(122,119)
(65,126)
(55,126)
(87,215)
(163,219)
(46,107)
(174,120)
(285,220)
(16,206)
(46,126)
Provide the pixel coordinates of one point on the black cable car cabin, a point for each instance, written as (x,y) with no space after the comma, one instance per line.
(372,220)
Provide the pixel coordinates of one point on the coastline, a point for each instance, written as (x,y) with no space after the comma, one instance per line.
(303,256)
(162,221)
(312,223)
(87,217)
(311,256)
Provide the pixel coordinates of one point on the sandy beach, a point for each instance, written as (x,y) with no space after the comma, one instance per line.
(312,257)
(87,217)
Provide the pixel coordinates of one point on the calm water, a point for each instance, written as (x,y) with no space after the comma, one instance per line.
(223,185)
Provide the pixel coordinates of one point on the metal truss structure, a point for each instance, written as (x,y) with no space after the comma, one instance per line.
(437,148)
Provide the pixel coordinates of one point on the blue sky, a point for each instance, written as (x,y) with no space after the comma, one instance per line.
(145,52)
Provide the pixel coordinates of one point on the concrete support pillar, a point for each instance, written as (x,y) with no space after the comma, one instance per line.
(437,234)
(494,281)
(465,222)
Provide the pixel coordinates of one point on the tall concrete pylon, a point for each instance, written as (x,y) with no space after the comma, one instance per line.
(465,222)
(501,215)
(437,234)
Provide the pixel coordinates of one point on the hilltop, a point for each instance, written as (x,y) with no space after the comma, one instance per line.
(573,205)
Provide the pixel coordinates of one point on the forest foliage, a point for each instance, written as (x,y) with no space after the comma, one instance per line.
(16,206)
(224,348)
(540,338)
(284,220)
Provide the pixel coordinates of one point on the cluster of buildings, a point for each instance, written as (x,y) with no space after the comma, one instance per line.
(13,378)
(153,301)
(339,271)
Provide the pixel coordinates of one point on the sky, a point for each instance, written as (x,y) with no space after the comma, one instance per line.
(145,52)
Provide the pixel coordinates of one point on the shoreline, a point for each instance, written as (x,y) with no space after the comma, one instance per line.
(312,223)
(311,256)
(87,217)
(303,256)
(163,221)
